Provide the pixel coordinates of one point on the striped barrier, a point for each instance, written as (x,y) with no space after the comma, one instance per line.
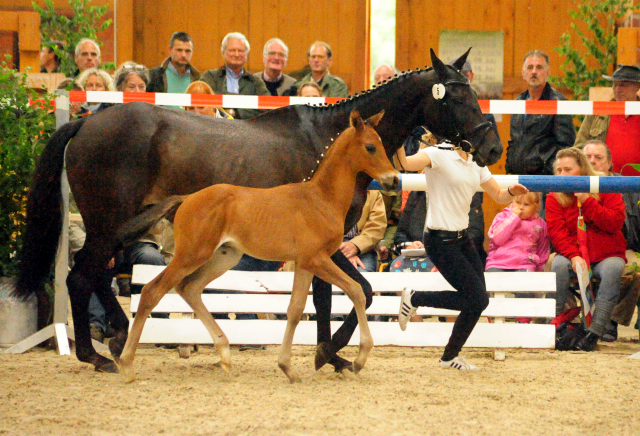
(538,107)
(592,184)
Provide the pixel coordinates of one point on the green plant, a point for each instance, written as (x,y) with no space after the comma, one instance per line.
(600,41)
(24,129)
(84,23)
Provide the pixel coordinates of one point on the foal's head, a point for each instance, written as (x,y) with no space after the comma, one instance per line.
(366,152)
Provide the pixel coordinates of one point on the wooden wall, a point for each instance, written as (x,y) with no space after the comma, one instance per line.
(527,25)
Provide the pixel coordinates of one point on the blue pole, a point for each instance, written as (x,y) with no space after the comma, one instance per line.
(592,184)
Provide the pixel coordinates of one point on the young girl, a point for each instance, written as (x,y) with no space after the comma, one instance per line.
(518,237)
(453,178)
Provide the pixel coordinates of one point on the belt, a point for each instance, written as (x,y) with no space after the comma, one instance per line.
(447,234)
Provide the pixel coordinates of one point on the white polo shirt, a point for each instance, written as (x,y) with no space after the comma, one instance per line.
(452,181)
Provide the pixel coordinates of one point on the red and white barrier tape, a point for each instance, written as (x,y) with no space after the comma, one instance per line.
(538,107)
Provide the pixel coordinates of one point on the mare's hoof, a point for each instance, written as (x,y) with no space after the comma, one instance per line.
(108,367)
(340,364)
(324,353)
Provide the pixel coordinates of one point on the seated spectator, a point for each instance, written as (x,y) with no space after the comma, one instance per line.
(360,242)
(200,87)
(604,216)
(274,55)
(131,77)
(74,106)
(320,59)
(599,156)
(93,79)
(309,89)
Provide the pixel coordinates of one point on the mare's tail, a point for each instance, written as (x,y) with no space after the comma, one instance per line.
(44,216)
(136,227)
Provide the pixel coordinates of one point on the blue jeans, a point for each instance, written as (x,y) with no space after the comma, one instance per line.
(143,253)
(609,271)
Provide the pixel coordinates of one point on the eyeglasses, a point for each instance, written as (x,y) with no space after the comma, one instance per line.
(133,67)
(277,53)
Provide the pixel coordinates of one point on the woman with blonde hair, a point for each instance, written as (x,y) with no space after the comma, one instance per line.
(200,87)
(604,215)
(93,79)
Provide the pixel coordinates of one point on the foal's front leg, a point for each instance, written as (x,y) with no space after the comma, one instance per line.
(301,282)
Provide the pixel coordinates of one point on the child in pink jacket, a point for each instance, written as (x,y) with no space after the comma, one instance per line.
(518,237)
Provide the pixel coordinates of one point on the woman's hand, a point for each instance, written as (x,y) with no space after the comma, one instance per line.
(517,189)
(582,197)
(578,260)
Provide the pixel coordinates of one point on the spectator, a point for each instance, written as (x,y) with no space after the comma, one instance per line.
(360,242)
(599,156)
(320,59)
(619,132)
(93,79)
(74,106)
(176,72)
(535,139)
(383,72)
(199,87)
(309,89)
(274,56)
(131,77)
(49,60)
(604,217)
(232,78)
(87,55)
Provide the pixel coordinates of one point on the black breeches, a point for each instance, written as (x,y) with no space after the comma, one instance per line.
(322,303)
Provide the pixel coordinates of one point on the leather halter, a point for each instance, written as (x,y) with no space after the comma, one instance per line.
(463,141)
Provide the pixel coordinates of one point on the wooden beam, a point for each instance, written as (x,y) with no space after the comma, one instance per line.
(124,31)
(628,45)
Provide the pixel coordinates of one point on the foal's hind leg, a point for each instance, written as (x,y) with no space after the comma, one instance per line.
(191,290)
(301,282)
(323,267)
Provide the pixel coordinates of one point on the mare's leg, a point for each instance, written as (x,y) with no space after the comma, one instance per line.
(327,270)
(328,346)
(301,282)
(191,290)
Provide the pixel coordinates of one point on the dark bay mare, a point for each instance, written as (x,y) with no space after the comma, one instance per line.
(123,159)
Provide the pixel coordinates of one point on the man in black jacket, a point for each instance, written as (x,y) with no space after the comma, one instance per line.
(535,139)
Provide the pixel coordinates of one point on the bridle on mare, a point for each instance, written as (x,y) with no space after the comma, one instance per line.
(460,141)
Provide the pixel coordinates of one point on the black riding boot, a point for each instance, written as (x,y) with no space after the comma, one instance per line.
(588,343)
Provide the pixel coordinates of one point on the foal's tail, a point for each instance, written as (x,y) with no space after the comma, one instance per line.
(135,228)
(44,215)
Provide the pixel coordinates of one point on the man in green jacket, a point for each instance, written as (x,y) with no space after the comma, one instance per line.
(232,78)
(320,58)
(176,72)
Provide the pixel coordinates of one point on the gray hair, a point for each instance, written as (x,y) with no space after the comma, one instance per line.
(538,53)
(82,41)
(127,70)
(102,74)
(279,41)
(235,35)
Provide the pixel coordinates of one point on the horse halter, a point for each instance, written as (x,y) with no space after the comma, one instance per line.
(459,141)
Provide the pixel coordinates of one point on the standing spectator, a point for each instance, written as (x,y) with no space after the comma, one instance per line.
(87,55)
(599,156)
(383,72)
(535,139)
(604,217)
(232,78)
(274,56)
(176,72)
(619,132)
(320,59)
(49,60)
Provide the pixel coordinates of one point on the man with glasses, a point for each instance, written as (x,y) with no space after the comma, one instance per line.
(320,59)
(274,56)
(232,78)
(176,72)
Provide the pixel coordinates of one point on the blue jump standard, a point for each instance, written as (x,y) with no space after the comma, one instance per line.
(592,184)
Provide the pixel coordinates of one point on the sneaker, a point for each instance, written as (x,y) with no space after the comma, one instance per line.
(406,308)
(458,363)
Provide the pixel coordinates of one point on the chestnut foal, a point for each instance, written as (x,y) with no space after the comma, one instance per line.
(301,222)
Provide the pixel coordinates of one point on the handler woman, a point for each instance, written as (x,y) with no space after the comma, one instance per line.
(452,177)
(604,215)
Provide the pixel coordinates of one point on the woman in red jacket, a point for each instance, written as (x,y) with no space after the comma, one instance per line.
(604,216)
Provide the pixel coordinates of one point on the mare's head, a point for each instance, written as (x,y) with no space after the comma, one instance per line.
(456,115)
(367,153)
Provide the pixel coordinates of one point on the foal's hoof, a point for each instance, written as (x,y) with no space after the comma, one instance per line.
(324,353)
(108,367)
(340,364)
(225,366)
(357,368)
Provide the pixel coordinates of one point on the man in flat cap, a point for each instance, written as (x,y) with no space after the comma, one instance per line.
(621,133)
